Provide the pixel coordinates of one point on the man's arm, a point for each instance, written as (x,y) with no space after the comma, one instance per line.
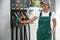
(54,23)
(30,20)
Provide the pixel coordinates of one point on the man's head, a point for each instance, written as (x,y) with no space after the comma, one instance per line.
(46,4)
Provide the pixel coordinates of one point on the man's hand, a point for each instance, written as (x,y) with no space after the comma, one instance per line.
(52,31)
(21,21)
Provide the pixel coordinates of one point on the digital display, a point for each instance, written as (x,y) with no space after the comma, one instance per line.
(20,3)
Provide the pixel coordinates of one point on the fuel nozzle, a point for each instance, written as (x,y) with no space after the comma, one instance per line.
(17,18)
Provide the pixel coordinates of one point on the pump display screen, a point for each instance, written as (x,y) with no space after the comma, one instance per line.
(20,3)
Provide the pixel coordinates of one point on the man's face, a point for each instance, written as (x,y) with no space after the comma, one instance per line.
(45,6)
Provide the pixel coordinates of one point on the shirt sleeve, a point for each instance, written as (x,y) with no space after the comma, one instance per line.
(53,15)
(36,13)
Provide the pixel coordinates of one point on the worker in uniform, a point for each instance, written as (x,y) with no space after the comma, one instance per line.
(44,31)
